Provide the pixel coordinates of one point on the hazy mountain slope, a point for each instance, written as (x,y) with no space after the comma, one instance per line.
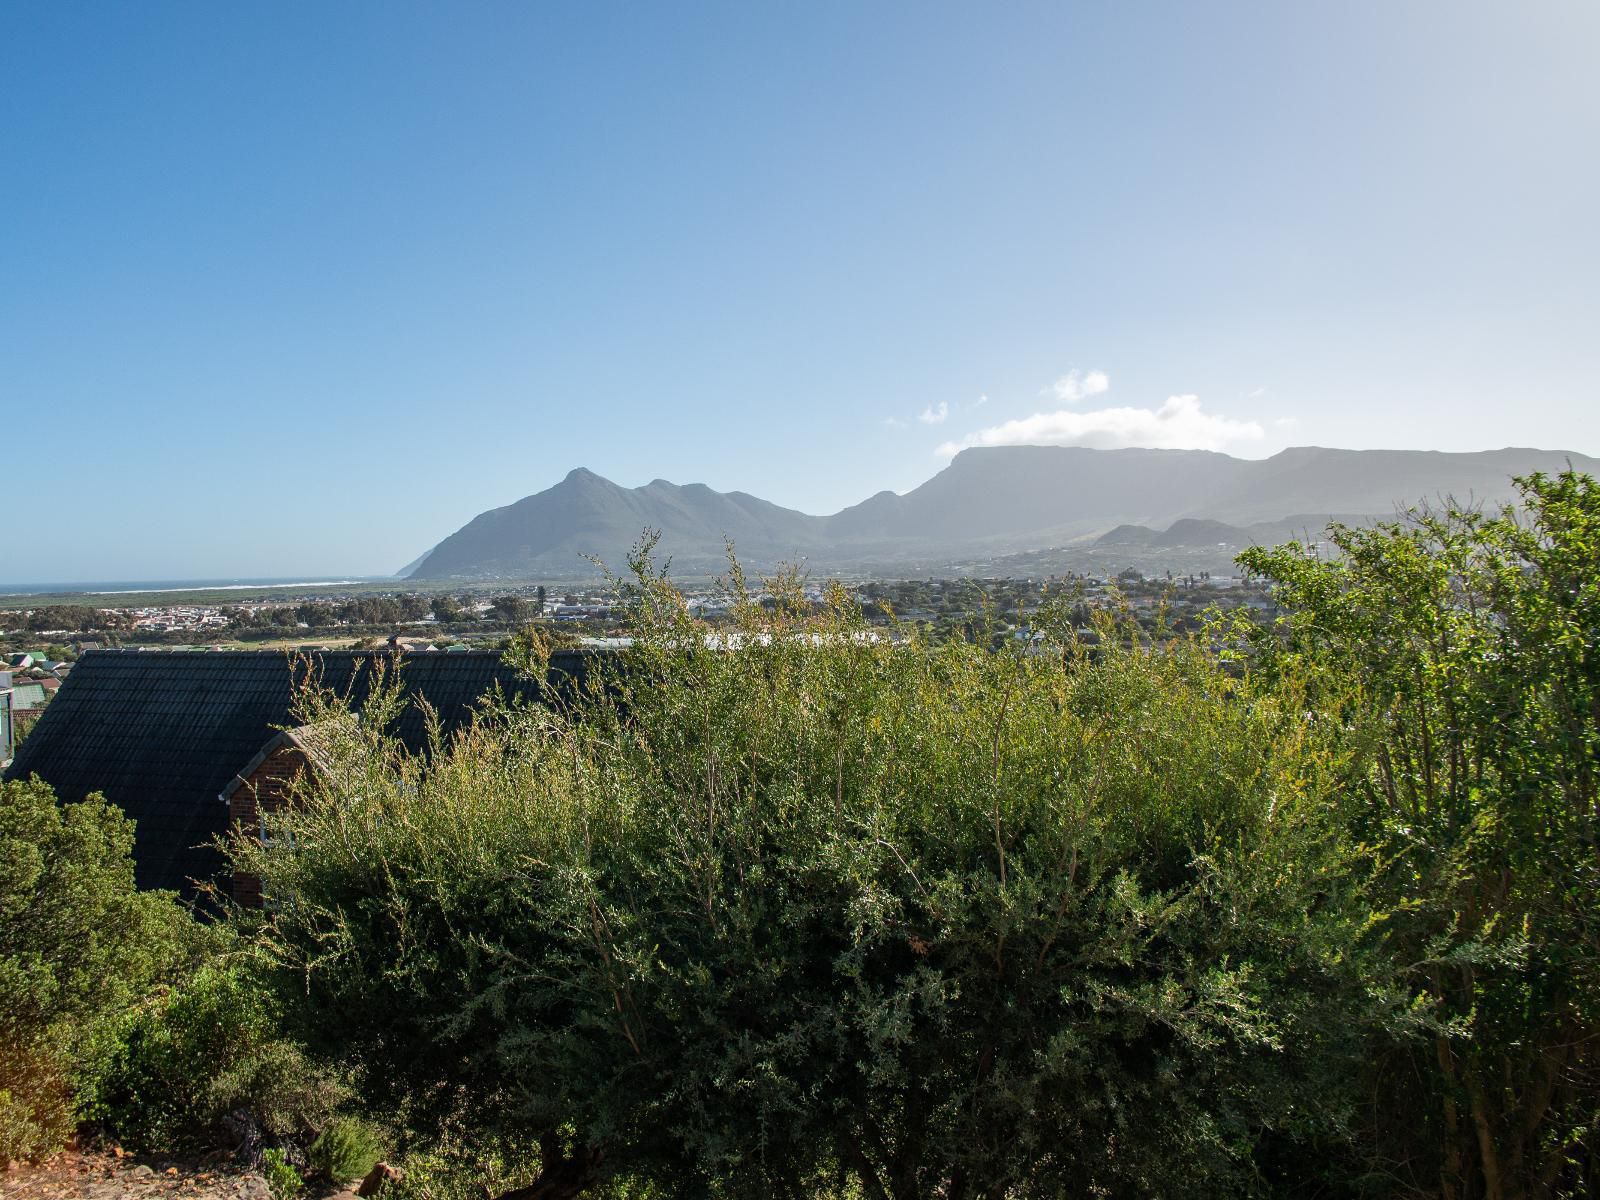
(1191,531)
(1195,533)
(987,500)
(1128,535)
(410,568)
(1009,494)
(1314,480)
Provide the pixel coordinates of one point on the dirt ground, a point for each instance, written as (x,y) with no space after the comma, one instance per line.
(104,1175)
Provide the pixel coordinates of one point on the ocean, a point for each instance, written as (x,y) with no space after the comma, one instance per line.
(118,587)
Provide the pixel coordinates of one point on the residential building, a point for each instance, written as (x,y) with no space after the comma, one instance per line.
(164,734)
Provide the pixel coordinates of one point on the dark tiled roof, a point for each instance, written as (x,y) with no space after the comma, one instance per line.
(161,733)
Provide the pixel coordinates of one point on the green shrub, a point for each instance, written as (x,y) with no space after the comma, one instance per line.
(346,1149)
(1461,650)
(813,908)
(282,1179)
(210,1046)
(458,1166)
(80,948)
(462,1165)
(36,1104)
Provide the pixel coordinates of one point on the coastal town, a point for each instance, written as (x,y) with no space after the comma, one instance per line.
(40,645)
(478,619)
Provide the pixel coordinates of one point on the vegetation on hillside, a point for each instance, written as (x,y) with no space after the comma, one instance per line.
(810,906)
(830,906)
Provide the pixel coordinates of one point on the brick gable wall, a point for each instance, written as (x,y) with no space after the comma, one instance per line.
(265,790)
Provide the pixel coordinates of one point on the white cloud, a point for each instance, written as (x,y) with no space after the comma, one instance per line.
(1075,386)
(1179,424)
(894,423)
(982,400)
(934,415)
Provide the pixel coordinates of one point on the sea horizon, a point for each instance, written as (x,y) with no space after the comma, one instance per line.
(138,587)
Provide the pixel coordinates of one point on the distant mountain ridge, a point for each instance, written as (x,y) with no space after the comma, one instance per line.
(987,500)
(1196,532)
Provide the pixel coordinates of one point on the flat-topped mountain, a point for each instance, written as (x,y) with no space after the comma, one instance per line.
(987,501)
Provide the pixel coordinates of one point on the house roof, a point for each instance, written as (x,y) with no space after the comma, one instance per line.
(27,695)
(311,740)
(162,733)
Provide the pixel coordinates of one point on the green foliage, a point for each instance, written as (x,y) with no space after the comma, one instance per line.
(529,649)
(346,1149)
(463,1165)
(209,1046)
(36,1104)
(283,1180)
(513,610)
(811,908)
(79,618)
(79,947)
(1462,652)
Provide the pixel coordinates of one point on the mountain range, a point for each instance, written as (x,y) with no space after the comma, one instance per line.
(987,502)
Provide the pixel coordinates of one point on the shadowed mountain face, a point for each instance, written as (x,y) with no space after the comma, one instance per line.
(552,532)
(989,500)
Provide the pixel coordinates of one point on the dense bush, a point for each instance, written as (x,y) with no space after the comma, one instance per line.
(1463,650)
(37,1110)
(458,1164)
(79,949)
(809,908)
(346,1149)
(210,1046)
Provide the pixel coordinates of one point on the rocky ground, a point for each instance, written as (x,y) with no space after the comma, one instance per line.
(107,1175)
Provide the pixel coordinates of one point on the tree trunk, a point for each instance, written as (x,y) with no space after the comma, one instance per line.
(1450,1174)
(1488,1152)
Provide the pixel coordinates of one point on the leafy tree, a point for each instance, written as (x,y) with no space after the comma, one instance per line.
(513,610)
(79,618)
(79,947)
(446,609)
(810,909)
(1462,649)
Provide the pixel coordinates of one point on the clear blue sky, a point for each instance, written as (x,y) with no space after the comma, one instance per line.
(299,288)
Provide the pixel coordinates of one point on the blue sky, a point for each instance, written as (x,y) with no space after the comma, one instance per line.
(298,289)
